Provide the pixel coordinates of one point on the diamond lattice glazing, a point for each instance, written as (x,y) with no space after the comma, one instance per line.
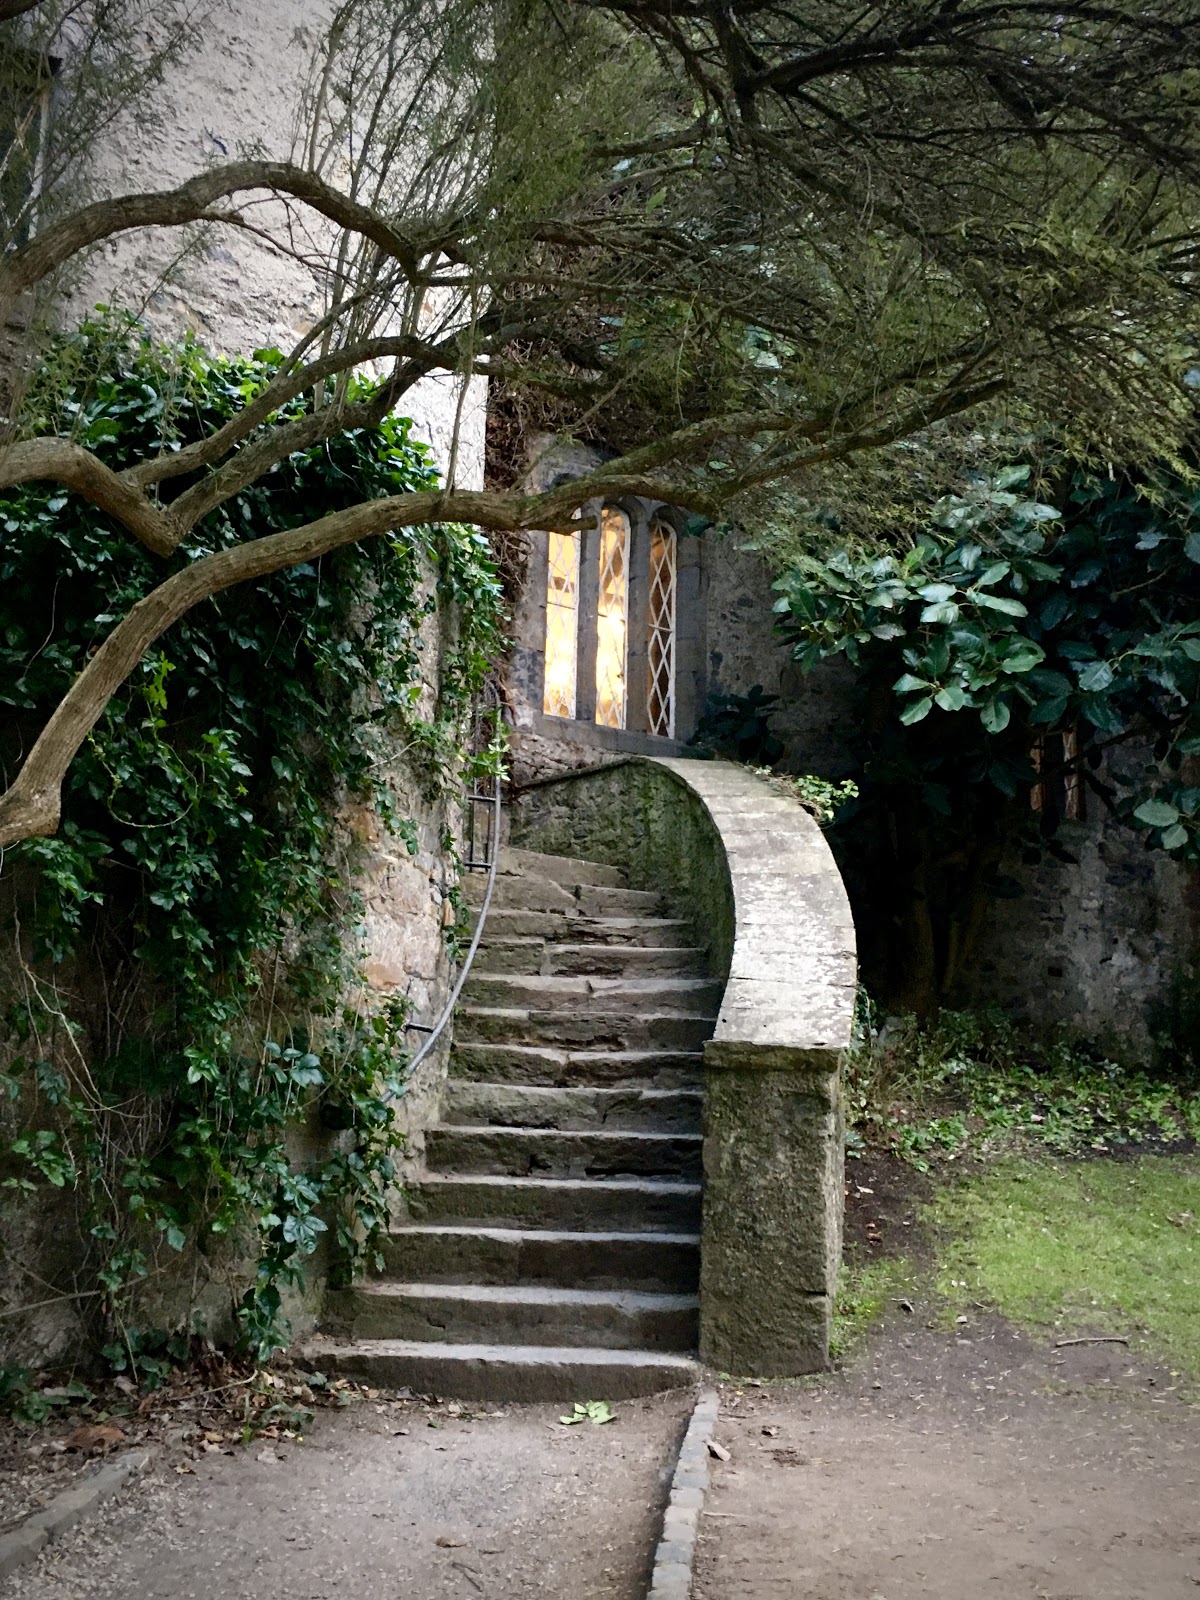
(562,616)
(612,618)
(660,689)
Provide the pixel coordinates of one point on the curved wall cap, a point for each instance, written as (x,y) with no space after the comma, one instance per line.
(793,973)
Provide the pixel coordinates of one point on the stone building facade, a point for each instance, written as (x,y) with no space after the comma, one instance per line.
(1103,945)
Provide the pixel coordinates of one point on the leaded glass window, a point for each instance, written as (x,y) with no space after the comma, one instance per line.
(562,624)
(660,652)
(612,618)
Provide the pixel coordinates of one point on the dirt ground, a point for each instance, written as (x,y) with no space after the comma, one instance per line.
(378,1502)
(950,1464)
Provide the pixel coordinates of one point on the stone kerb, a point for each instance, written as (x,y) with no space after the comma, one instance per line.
(761,879)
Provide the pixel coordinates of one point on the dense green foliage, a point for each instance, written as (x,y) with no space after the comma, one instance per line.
(975,1084)
(1019,641)
(186,939)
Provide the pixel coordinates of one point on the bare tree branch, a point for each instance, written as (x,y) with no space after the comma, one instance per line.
(56,244)
(60,461)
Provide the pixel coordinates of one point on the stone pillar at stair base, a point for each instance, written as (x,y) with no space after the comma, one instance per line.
(773,1187)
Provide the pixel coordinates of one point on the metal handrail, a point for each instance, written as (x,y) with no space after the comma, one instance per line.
(435,1033)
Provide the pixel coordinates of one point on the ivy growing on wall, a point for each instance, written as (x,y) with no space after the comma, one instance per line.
(183,949)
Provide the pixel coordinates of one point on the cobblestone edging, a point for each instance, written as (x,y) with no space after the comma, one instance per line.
(24,1542)
(671,1578)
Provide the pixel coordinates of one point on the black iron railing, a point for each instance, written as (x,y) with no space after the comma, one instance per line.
(483,796)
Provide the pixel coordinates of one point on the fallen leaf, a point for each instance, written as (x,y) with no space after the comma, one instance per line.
(267,1457)
(717,1450)
(185,1466)
(771,1433)
(93,1437)
(448,1543)
(125,1385)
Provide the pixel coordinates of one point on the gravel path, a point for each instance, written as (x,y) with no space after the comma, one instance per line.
(948,1465)
(379,1503)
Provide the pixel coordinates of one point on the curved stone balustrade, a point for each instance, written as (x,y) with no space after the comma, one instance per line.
(757,875)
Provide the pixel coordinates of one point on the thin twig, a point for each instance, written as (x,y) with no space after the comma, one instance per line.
(1093,1338)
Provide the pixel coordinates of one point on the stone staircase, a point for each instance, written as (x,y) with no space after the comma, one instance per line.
(552,1248)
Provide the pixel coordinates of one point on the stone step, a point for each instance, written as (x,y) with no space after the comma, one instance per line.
(523,894)
(622,1205)
(521,1063)
(542,1106)
(538,957)
(504,1372)
(671,1031)
(570,925)
(599,997)
(533,1314)
(591,1154)
(441,1253)
(602,902)
(571,870)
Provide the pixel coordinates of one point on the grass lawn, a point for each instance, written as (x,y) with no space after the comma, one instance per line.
(1094,1246)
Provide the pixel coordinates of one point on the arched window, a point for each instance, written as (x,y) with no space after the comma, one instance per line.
(612,619)
(562,624)
(660,644)
(610,649)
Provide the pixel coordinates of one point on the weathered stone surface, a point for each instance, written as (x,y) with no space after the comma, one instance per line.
(592,1259)
(590,1153)
(772,1209)
(627,1205)
(505,1372)
(527,1106)
(582,1030)
(509,1063)
(599,996)
(772,907)
(518,1314)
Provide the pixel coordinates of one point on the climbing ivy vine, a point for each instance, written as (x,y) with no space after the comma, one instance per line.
(183,948)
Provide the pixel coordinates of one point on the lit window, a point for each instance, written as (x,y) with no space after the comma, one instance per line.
(562,615)
(612,612)
(660,696)
(1058,790)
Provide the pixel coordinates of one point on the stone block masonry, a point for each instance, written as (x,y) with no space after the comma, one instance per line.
(768,898)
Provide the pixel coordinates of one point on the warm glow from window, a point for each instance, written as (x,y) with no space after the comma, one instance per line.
(612,611)
(562,614)
(660,651)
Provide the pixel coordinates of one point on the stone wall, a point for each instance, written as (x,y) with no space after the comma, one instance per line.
(235,93)
(779,925)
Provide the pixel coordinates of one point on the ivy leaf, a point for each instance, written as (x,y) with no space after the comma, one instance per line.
(917,711)
(1174,837)
(1049,711)
(995,716)
(999,602)
(1191,547)
(1157,813)
(993,574)
(1096,677)
(952,698)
